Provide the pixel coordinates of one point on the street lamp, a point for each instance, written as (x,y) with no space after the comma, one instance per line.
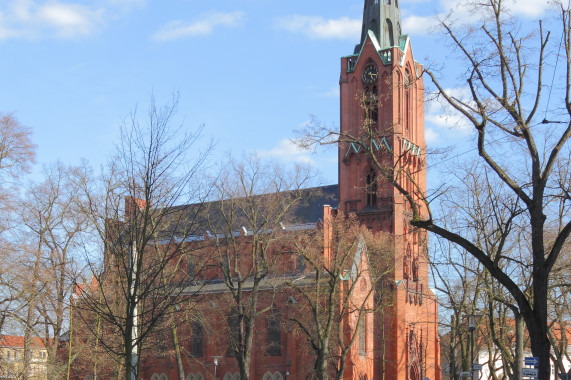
(472,327)
(215,358)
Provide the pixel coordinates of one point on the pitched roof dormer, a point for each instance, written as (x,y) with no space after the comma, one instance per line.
(382,17)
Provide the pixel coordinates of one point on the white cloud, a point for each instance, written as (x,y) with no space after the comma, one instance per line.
(444,120)
(419,25)
(69,20)
(317,27)
(43,19)
(462,12)
(48,19)
(287,151)
(203,26)
(528,8)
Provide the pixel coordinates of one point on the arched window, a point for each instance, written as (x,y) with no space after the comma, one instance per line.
(276,376)
(233,326)
(190,269)
(155,377)
(163,377)
(375,105)
(372,104)
(407,262)
(407,103)
(274,333)
(389,39)
(196,345)
(371,188)
(363,336)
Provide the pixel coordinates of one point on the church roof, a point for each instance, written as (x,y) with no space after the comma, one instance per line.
(196,221)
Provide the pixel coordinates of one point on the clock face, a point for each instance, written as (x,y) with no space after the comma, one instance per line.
(370,74)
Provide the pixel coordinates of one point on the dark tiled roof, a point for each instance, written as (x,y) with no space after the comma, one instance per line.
(311,208)
(204,218)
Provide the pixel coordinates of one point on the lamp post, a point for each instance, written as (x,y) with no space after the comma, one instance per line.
(215,358)
(472,327)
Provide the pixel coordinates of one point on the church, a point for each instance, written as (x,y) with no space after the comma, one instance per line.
(381,131)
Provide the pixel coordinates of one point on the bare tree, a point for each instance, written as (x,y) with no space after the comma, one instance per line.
(248,227)
(17,154)
(156,167)
(345,281)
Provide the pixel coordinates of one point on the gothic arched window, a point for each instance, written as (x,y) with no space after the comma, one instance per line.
(197,333)
(407,103)
(274,333)
(371,188)
(363,337)
(375,105)
(389,39)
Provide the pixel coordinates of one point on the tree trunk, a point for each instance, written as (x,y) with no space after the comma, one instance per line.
(178,357)
(321,366)
(519,337)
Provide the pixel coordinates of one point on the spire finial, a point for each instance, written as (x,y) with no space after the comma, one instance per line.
(383,18)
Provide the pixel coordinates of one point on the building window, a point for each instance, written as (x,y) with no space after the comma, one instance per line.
(274,333)
(375,105)
(233,327)
(300,264)
(363,337)
(407,103)
(190,269)
(192,376)
(389,39)
(372,104)
(197,332)
(371,188)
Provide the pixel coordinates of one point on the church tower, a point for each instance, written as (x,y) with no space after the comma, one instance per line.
(382,105)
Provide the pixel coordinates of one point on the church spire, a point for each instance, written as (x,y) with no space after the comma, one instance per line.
(382,17)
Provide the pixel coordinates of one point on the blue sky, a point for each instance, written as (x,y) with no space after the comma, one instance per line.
(250,71)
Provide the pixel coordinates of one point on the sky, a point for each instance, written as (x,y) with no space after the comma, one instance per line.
(252,72)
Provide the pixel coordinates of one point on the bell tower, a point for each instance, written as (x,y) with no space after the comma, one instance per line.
(382,105)
(382,112)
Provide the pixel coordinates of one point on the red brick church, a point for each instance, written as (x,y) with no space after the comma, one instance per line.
(382,94)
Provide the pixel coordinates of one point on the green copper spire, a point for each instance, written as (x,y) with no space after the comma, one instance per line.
(383,18)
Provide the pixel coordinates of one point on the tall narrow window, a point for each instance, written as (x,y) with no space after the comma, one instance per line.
(363,337)
(371,188)
(407,108)
(233,326)
(274,333)
(389,39)
(197,332)
(300,264)
(375,105)
(190,269)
